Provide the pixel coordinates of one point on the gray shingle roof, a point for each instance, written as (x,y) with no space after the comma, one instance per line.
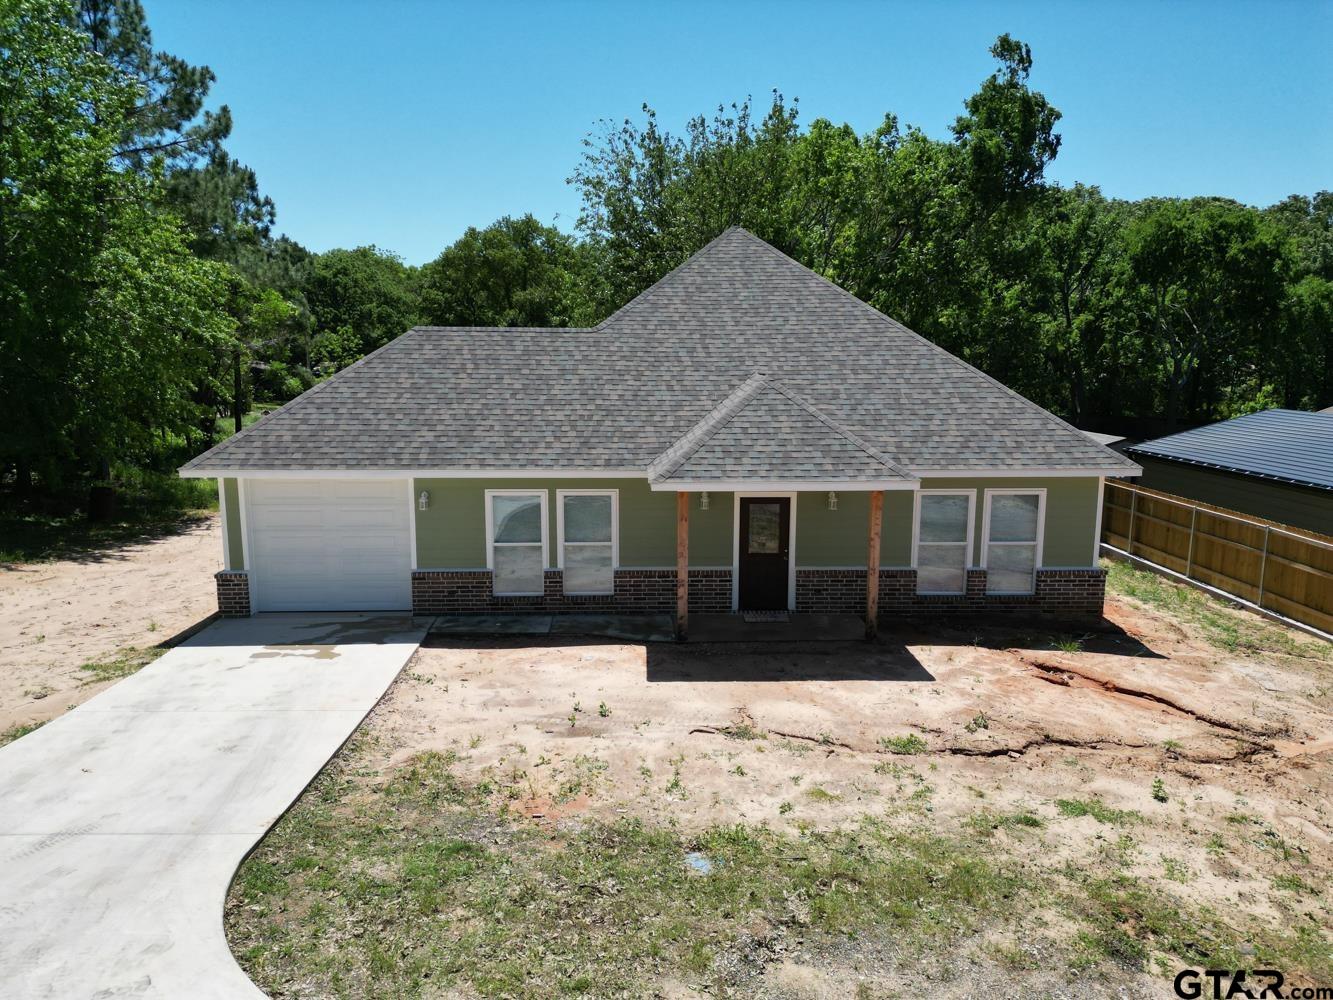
(764,430)
(618,395)
(1290,446)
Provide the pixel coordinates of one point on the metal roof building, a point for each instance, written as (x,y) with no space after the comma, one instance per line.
(1277,464)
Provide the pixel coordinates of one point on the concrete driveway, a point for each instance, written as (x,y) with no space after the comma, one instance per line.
(122,822)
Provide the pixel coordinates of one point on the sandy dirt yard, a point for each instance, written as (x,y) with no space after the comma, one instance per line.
(108,608)
(1145,763)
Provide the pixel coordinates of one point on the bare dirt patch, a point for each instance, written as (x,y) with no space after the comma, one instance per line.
(1161,795)
(110,607)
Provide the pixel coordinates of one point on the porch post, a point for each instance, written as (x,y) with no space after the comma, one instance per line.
(682,564)
(872,564)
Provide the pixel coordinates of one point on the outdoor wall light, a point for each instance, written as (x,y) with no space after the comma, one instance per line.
(423,501)
(703,500)
(832,500)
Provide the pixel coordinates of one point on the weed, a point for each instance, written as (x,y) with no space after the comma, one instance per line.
(603,711)
(1176,870)
(785,808)
(18,731)
(1098,810)
(1069,645)
(1287,882)
(986,820)
(909,744)
(819,794)
(744,731)
(1159,790)
(127,662)
(979,721)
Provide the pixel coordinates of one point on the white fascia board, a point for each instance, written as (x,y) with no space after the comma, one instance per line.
(781,485)
(1010,472)
(412,473)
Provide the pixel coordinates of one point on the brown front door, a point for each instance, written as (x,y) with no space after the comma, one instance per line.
(765,530)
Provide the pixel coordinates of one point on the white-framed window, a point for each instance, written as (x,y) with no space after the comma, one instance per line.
(942,541)
(516,552)
(1014,522)
(588,533)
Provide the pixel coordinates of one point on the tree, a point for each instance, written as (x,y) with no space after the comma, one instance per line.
(105,316)
(1210,278)
(360,300)
(515,272)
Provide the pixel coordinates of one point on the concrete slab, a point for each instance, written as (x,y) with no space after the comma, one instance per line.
(634,628)
(491,625)
(124,820)
(800,628)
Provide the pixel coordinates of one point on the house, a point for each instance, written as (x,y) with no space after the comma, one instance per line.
(744,428)
(1277,465)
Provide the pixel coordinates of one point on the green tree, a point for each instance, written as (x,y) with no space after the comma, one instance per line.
(1210,279)
(104,314)
(360,300)
(515,272)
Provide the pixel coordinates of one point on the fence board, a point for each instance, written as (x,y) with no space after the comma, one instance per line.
(1280,569)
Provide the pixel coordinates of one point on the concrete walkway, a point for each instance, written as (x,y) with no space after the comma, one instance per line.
(122,822)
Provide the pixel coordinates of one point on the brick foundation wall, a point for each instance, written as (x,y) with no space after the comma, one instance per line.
(1067,592)
(647,591)
(233,593)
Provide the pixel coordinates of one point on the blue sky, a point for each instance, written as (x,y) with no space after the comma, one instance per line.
(400,124)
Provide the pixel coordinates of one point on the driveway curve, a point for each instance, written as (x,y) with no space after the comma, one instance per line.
(123,822)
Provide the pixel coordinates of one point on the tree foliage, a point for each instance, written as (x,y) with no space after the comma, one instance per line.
(144,297)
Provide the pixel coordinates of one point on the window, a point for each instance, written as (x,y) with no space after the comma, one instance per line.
(587,523)
(943,541)
(516,541)
(1014,520)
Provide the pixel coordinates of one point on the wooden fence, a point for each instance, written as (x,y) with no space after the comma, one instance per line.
(1273,567)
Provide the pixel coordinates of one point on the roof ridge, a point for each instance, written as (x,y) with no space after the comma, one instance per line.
(655,287)
(293,404)
(838,428)
(679,451)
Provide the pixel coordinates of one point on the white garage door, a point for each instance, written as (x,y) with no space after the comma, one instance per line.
(328,544)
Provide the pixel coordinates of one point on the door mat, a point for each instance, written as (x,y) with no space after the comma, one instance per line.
(764,617)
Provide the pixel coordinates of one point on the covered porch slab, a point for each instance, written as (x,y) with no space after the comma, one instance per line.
(658,628)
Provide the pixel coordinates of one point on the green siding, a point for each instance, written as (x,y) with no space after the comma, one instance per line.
(1282,502)
(235,554)
(451,534)
(1071,514)
(839,537)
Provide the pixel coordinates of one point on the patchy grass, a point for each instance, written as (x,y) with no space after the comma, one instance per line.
(17,732)
(1222,626)
(126,662)
(1098,810)
(424,884)
(419,882)
(909,744)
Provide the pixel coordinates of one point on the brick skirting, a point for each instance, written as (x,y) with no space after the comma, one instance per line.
(636,590)
(1068,592)
(233,593)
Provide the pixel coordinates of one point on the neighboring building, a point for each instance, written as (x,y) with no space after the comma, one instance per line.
(1277,465)
(742,418)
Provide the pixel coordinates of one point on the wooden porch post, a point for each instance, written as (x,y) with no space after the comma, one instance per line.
(872,564)
(682,565)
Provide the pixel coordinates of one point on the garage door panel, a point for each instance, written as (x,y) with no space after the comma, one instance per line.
(329,545)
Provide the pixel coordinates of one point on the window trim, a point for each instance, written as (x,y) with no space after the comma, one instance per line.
(614,494)
(968,550)
(1040,494)
(491,543)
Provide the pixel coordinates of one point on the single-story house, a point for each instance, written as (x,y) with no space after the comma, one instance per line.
(744,435)
(1277,465)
